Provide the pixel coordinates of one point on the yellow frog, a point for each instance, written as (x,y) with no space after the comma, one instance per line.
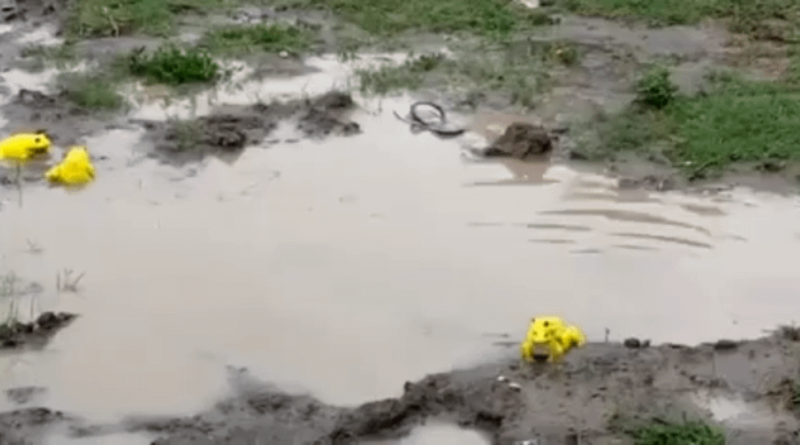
(75,169)
(549,338)
(22,146)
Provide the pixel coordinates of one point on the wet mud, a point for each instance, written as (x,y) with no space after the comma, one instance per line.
(65,122)
(229,129)
(597,395)
(34,334)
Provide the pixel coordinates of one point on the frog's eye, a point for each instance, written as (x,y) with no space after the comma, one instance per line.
(547,324)
(37,140)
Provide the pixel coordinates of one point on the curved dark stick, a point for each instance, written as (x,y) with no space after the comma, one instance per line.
(402,119)
(430,127)
(415,116)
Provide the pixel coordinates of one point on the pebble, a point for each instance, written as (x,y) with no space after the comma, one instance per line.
(632,343)
(725,345)
(515,386)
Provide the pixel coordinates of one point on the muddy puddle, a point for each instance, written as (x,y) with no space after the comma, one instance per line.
(347,266)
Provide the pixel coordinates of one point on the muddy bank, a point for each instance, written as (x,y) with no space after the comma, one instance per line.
(34,334)
(597,395)
(229,129)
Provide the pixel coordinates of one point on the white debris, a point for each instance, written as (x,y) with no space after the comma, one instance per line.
(530,3)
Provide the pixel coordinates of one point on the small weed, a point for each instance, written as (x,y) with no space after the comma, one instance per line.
(409,75)
(694,433)
(566,54)
(268,38)
(34,247)
(92,92)
(187,134)
(656,89)
(496,18)
(66,282)
(172,65)
(795,400)
(9,295)
(105,18)
(44,55)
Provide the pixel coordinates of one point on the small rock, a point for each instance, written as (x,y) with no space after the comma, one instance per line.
(521,140)
(725,345)
(515,386)
(502,378)
(632,343)
(283,54)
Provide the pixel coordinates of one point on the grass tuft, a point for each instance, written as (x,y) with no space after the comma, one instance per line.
(409,75)
(389,17)
(655,89)
(172,65)
(745,16)
(694,433)
(112,18)
(273,38)
(91,92)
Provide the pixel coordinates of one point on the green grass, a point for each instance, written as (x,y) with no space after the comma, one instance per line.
(108,18)
(745,15)
(91,92)
(275,38)
(689,433)
(734,121)
(390,17)
(517,69)
(43,56)
(172,65)
(408,75)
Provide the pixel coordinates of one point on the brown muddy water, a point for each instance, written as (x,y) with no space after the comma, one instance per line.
(349,266)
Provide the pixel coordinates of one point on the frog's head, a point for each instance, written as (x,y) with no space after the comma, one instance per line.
(37,142)
(78,153)
(544,332)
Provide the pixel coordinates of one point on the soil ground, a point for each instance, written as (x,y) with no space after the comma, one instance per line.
(599,395)
(604,393)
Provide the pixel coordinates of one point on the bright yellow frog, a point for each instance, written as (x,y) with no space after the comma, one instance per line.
(75,169)
(549,338)
(22,146)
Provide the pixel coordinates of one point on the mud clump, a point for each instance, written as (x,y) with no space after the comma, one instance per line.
(520,141)
(35,334)
(224,133)
(229,129)
(324,116)
(26,426)
(24,395)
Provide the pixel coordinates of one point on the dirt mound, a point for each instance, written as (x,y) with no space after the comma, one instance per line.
(229,129)
(521,140)
(33,334)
